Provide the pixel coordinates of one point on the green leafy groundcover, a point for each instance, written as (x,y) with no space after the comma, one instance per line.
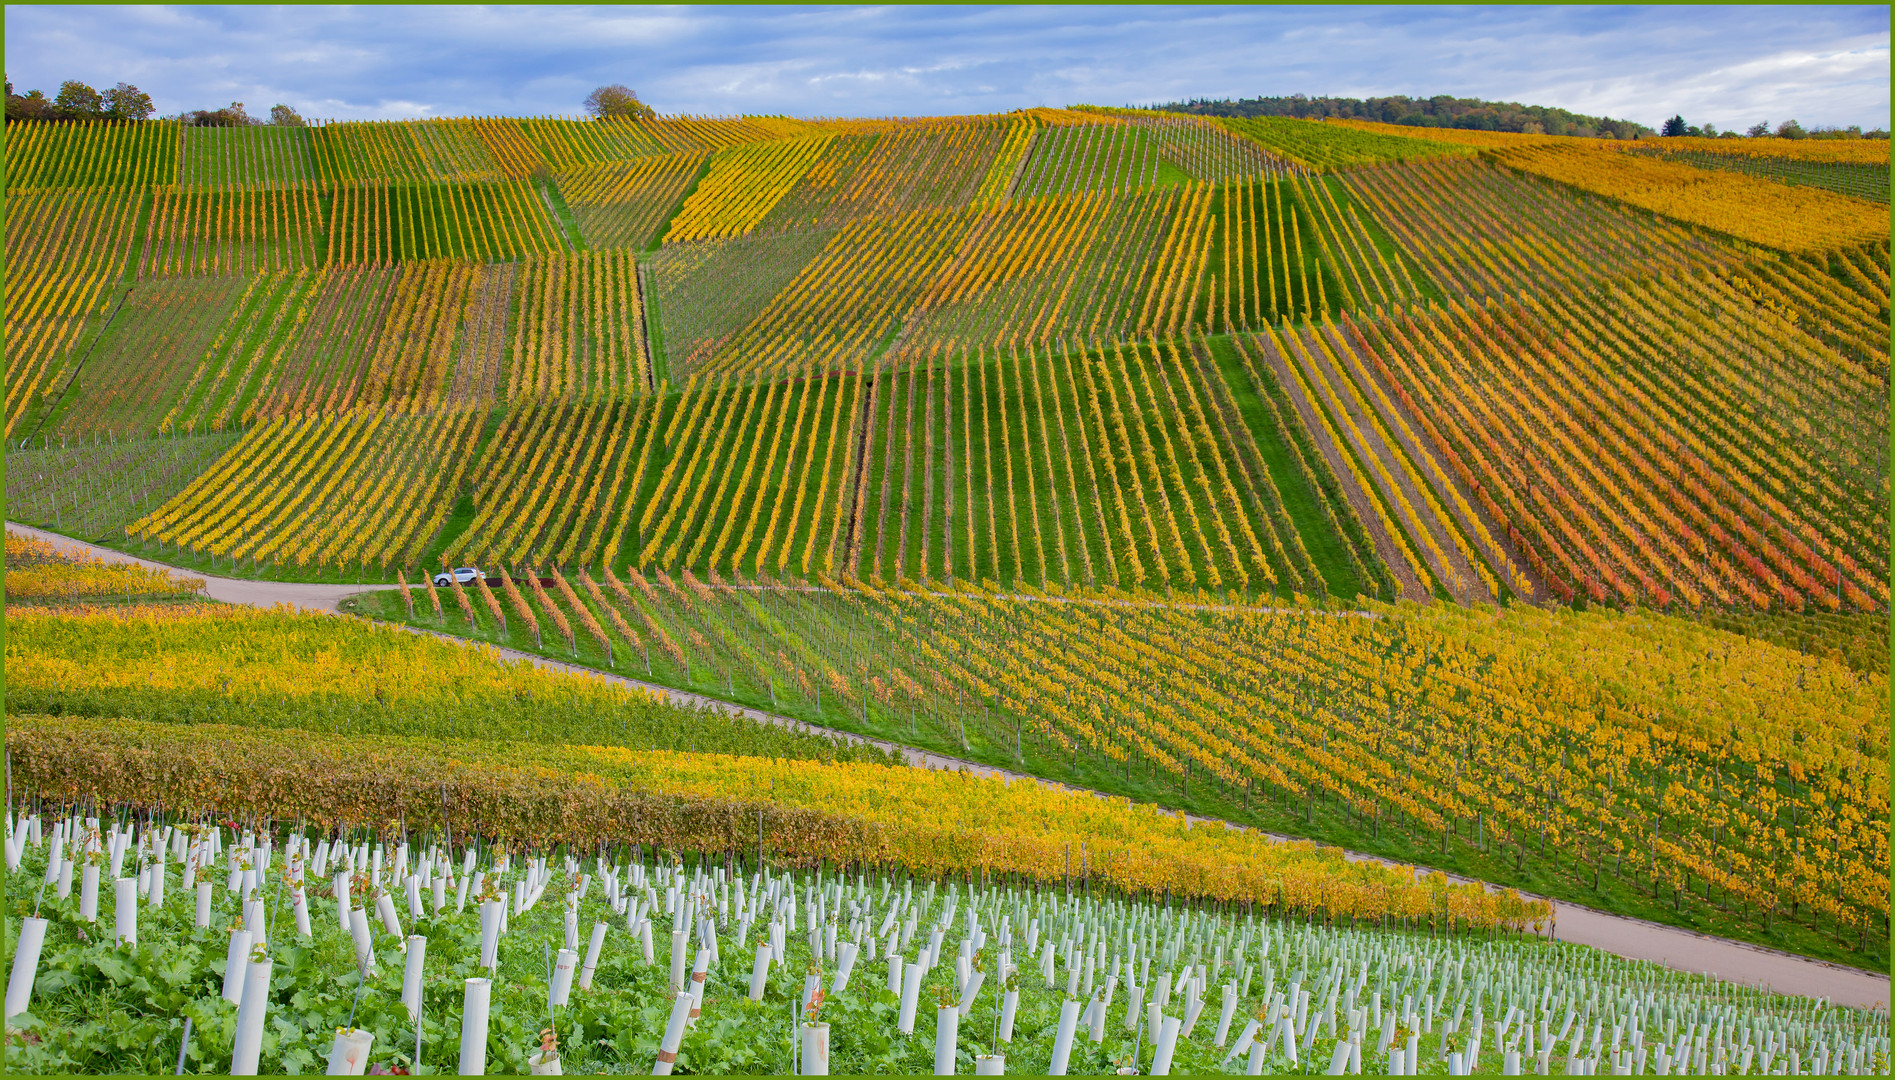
(102,1008)
(98,1008)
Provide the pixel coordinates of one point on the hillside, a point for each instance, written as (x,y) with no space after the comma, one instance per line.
(1507,502)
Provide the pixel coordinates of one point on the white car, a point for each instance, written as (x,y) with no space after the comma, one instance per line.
(463,575)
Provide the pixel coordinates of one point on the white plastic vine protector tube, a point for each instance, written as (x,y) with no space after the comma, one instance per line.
(1255,1066)
(1063,1039)
(414,896)
(593,948)
(760,973)
(348,1055)
(234,961)
(679,941)
(1095,1023)
(1133,994)
(845,966)
(815,1050)
(1009,1004)
(490,913)
(411,974)
(1167,1045)
(1243,1041)
(947,1031)
(64,888)
(811,983)
(674,1035)
(25,965)
(644,941)
(385,908)
(540,1063)
(125,911)
(1224,1014)
(342,899)
(476,995)
(359,932)
(299,908)
(560,988)
(707,937)
(910,994)
(89,893)
(251,1012)
(698,975)
(990,1065)
(440,892)
(974,982)
(895,966)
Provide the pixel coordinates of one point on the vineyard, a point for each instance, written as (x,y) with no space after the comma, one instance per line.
(463,971)
(1515,506)
(1435,734)
(38,572)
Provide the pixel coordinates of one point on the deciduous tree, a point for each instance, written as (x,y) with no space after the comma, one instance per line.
(616,100)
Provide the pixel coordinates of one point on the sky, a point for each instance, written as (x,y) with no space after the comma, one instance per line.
(1732,66)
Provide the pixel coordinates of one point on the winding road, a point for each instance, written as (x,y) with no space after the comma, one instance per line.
(1638,939)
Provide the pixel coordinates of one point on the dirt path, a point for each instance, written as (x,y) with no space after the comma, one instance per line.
(1637,939)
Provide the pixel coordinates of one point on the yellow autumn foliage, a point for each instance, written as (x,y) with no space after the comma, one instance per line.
(1765,213)
(928,821)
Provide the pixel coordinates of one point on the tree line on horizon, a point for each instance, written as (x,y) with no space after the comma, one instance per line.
(1441,110)
(77,102)
(1476,114)
(1788,129)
